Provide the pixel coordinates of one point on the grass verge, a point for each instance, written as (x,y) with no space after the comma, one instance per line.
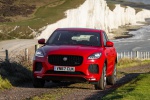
(137,89)
(124,63)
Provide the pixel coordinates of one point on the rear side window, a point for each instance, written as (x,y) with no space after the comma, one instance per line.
(74,38)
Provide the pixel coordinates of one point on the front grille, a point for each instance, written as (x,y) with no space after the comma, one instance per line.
(65,60)
(63,72)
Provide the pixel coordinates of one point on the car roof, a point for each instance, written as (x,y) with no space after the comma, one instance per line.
(79,29)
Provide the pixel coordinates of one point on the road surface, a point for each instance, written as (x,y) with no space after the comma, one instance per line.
(15,47)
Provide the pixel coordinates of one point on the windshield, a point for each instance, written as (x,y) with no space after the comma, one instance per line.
(74,38)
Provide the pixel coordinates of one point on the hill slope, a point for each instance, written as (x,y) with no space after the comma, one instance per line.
(20,18)
(23,18)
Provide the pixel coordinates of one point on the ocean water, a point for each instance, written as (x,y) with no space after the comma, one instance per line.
(139,42)
(140,1)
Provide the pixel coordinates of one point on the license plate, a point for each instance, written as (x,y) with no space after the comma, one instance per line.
(62,68)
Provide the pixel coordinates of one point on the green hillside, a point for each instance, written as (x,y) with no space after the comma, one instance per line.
(24,14)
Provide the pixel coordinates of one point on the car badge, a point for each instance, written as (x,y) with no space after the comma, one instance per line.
(65,59)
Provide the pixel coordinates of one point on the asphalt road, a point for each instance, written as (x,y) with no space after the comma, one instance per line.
(15,47)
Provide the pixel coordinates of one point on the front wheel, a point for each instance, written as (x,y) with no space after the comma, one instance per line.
(38,83)
(101,84)
(113,78)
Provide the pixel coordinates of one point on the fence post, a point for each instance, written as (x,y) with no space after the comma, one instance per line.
(137,54)
(128,55)
(7,58)
(124,54)
(36,47)
(117,56)
(121,55)
(26,54)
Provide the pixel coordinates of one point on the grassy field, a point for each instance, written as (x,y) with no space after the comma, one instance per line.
(137,89)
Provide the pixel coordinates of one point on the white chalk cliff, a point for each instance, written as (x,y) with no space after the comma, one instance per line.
(96,14)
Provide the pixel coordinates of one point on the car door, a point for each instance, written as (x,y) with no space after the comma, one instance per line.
(108,52)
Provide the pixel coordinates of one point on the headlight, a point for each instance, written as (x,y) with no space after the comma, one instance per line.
(95,56)
(39,53)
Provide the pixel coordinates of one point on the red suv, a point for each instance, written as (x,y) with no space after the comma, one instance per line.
(78,55)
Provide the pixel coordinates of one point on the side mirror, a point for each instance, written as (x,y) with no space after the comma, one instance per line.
(41,41)
(109,44)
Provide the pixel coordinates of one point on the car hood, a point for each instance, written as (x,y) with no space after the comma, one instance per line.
(70,50)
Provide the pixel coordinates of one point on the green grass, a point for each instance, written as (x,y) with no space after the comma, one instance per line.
(4,84)
(137,89)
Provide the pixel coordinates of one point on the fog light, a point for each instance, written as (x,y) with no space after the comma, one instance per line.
(38,66)
(93,68)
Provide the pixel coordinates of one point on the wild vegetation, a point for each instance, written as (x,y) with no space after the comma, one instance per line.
(15,72)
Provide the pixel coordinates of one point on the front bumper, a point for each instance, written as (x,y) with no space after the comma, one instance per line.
(81,73)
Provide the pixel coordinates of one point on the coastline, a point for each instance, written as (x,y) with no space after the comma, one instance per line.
(123,31)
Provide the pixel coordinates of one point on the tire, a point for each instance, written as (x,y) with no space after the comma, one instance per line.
(38,83)
(101,84)
(113,78)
